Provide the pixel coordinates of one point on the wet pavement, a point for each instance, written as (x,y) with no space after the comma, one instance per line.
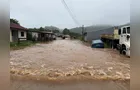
(67,58)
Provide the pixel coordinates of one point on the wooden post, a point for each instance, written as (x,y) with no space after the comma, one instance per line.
(18,40)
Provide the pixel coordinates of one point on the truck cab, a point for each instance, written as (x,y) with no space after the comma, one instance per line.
(124,40)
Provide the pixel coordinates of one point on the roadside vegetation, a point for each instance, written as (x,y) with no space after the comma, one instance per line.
(72,34)
(46,28)
(14,21)
(21,45)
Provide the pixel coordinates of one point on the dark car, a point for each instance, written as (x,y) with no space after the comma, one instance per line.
(97,44)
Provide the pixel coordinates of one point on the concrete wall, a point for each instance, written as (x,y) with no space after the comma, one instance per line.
(97,34)
(11,36)
(16,35)
(35,34)
(25,35)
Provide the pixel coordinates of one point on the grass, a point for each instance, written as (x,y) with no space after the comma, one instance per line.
(21,45)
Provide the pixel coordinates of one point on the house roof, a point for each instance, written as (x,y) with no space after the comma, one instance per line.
(128,24)
(16,26)
(46,32)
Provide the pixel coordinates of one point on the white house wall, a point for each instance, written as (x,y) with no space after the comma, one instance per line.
(24,37)
(35,34)
(11,36)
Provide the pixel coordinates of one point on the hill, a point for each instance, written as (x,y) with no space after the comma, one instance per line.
(90,28)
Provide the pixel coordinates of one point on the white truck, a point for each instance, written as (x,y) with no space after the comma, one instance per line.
(124,40)
(120,39)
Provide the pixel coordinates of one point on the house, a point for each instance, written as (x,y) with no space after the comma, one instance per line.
(34,35)
(42,35)
(17,33)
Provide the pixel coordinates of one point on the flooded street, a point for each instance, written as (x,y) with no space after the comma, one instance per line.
(75,85)
(69,60)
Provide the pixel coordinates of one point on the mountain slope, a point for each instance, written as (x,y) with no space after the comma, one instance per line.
(90,28)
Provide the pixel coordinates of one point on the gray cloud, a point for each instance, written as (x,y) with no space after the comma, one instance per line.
(36,13)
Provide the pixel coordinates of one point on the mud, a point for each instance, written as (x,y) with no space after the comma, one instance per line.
(64,59)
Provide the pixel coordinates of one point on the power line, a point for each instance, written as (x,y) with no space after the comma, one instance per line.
(70,12)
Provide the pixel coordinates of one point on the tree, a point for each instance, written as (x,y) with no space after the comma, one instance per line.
(14,21)
(74,35)
(56,31)
(66,31)
(52,28)
(41,29)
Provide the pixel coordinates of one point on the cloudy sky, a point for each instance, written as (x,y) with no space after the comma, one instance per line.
(37,13)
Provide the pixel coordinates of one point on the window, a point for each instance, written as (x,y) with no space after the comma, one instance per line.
(128,30)
(119,31)
(124,30)
(22,34)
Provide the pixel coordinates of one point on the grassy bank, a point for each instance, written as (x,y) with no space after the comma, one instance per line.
(21,45)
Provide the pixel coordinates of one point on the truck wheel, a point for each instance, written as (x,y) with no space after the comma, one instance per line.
(124,50)
(120,50)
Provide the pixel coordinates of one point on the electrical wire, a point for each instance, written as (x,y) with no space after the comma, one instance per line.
(70,12)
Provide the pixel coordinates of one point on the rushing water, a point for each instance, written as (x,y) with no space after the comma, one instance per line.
(74,85)
(67,59)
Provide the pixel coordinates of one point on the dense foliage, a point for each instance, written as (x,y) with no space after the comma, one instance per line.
(46,28)
(14,21)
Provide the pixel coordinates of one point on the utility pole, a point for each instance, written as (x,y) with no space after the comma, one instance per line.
(82,29)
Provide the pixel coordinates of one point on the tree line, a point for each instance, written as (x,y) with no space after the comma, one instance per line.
(46,28)
(49,29)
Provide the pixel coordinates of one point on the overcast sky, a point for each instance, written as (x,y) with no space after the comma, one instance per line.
(37,13)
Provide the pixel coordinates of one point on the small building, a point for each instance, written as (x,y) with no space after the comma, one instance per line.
(45,36)
(17,33)
(42,35)
(34,35)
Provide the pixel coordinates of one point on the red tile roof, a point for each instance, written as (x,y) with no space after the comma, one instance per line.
(16,26)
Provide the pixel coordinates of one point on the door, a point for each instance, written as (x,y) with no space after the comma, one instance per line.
(14,35)
(123,35)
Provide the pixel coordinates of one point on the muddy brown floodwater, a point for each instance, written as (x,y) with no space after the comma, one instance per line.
(68,60)
(75,85)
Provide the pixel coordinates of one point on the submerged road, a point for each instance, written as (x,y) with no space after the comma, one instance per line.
(75,85)
(67,59)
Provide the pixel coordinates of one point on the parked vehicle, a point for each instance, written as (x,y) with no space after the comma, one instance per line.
(97,44)
(119,40)
(124,40)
